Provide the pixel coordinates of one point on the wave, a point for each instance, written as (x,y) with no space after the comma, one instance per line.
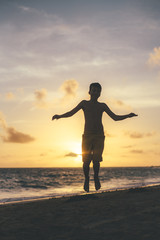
(25,184)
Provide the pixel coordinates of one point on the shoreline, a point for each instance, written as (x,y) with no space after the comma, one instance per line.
(130,214)
(76,195)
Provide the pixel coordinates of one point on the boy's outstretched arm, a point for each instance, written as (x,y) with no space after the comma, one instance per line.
(70,113)
(116,117)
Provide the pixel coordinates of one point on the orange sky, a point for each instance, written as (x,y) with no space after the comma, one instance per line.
(51,53)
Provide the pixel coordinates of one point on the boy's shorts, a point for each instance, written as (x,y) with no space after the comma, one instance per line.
(92,147)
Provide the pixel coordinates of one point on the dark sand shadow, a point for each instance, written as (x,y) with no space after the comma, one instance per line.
(81,197)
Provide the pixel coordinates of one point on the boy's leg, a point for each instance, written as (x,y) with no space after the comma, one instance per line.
(86,169)
(97,158)
(96,167)
(86,174)
(86,156)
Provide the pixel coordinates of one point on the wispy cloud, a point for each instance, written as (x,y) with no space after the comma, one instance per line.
(2,121)
(25,9)
(30,10)
(41,94)
(139,134)
(128,146)
(118,104)
(69,89)
(9,96)
(12,135)
(137,151)
(107,134)
(40,98)
(154,58)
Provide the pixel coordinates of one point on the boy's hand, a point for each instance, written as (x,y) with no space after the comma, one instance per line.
(56,117)
(132,115)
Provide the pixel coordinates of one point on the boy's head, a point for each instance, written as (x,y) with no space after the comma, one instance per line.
(95,89)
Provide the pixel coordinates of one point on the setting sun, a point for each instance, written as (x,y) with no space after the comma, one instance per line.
(77,147)
(49,61)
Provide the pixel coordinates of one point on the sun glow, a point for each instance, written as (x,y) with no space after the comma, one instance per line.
(77,148)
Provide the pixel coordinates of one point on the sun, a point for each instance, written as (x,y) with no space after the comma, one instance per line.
(77,148)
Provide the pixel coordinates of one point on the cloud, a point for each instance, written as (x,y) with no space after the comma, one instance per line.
(139,135)
(108,134)
(137,151)
(40,98)
(43,154)
(128,146)
(71,154)
(154,58)
(41,94)
(118,104)
(2,121)
(9,96)
(69,89)
(28,9)
(12,135)
(135,135)
(25,9)
(43,99)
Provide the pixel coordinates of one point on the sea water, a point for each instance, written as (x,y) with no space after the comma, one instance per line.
(19,184)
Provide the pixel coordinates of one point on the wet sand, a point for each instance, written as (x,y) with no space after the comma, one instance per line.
(126,214)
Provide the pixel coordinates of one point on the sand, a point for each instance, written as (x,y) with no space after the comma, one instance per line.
(126,214)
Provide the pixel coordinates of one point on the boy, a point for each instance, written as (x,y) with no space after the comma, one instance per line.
(93,137)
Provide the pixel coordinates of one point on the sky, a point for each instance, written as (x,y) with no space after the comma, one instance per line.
(50,52)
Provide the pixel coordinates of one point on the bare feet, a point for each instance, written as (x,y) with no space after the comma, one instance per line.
(86,184)
(97,183)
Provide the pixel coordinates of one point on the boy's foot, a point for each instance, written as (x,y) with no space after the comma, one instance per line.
(86,184)
(97,183)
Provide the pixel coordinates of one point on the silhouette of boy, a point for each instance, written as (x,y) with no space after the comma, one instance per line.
(93,137)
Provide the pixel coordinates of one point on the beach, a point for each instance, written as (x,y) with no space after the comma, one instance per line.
(123,214)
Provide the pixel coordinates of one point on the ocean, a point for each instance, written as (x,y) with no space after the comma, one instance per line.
(21,184)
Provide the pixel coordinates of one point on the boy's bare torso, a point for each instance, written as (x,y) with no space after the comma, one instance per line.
(93,117)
